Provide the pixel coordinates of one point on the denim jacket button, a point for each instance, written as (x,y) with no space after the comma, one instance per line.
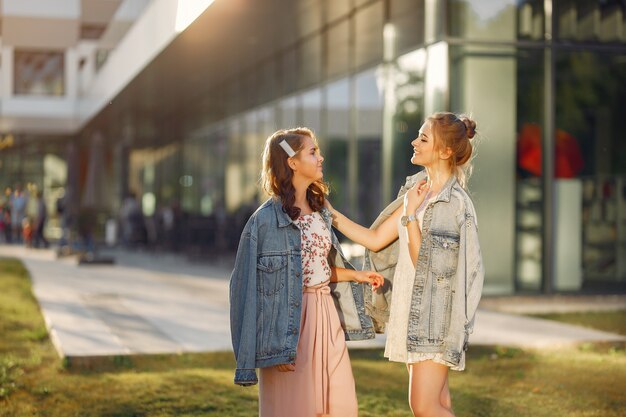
(297,274)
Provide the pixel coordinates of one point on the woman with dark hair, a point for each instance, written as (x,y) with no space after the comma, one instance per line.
(425,244)
(294,298)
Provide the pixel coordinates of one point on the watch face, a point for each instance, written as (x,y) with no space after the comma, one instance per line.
(404,220)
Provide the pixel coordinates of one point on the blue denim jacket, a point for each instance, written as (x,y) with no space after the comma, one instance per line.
(448,277)
(266,293)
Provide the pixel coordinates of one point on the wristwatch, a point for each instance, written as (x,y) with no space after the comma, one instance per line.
(405,220)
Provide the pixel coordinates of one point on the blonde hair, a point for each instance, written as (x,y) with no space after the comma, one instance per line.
(455,132)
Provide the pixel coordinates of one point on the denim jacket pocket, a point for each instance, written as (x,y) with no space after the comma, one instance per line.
(270,273)
(440,308)
(445,251)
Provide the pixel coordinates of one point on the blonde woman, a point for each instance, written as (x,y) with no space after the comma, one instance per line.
(425,244)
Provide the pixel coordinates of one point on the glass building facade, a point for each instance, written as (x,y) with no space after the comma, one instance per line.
(544,79)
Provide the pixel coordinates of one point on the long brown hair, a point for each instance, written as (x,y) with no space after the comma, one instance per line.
(455,132)
(276,175)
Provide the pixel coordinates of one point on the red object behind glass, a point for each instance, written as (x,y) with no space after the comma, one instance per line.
(569,160)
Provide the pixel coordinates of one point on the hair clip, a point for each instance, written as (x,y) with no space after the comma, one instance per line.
(283,144)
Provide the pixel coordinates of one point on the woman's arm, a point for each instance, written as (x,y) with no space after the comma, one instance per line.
(367,277)
(414,239)
(372,239)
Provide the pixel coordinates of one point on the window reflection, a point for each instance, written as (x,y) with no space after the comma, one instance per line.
(600,20)
(311,110)
(529,194)
(591,167)
(251,154)
(336,144)
(496,19)
(482,83)
(39,73)
(408,89)
(406,16)
(369,106)
(288,112)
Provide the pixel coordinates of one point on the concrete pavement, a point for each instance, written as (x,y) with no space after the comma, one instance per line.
(161,303)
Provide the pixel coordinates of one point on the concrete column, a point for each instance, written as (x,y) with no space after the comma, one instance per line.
(6,83)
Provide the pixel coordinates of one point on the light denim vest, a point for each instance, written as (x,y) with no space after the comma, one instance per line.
(266,293)
(448,278)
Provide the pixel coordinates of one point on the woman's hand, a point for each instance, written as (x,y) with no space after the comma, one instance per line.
(415,196)
(286,367)
(369,277)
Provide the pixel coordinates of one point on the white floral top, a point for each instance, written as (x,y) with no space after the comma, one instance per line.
(315,247)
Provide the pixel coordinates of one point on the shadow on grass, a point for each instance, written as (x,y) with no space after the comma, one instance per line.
(149,363)
(474,405)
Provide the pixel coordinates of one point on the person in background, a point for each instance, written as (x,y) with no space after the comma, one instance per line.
(40,222)
(5,213)
(18,202)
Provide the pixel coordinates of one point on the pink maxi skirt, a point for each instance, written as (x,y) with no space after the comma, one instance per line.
(322,384)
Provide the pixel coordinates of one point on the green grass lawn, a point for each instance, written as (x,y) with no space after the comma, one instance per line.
(579,382)
(608,321)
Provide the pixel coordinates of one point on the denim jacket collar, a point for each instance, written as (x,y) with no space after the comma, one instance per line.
(444,194)
(284,219)
(446,190)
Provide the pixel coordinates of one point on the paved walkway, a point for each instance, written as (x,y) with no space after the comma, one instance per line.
(162,303)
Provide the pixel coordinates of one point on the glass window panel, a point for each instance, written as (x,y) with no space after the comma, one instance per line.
(528,190)
(408,114)
(169,173)
(39,73)
(202,193)
(407,16)
(590,169)
(214,173)
(496,19)
(309,16)
(310,61)
(266,122)
(530,21)
(288,112)
(289,71)
(267,88)
(311,110)
(335,145)
(597,20)
(336,10)
(483,83)
(266,119)
(249,83)
(252,157)
(193,154)
(338,60)
(369,129)
(235,166)
(369,30)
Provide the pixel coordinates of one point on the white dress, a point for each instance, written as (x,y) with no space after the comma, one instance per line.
(397,329)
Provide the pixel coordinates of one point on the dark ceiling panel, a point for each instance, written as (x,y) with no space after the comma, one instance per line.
(229,38)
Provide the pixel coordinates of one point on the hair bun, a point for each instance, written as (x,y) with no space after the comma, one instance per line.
(470,126)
